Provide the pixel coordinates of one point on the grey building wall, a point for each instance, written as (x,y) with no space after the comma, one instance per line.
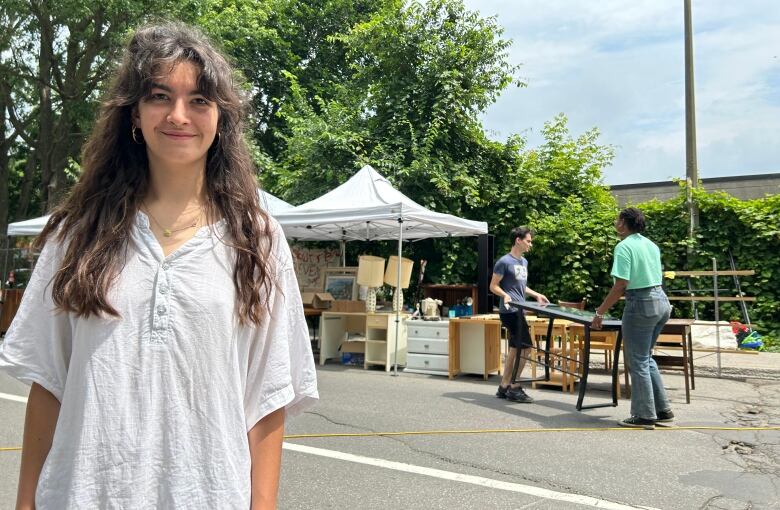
(744,187)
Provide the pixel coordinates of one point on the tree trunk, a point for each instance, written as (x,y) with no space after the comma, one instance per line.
(25,193)
(46,113)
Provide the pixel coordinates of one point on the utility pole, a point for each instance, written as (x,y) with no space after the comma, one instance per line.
(691,167)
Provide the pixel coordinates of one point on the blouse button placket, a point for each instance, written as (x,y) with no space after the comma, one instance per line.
(161,313)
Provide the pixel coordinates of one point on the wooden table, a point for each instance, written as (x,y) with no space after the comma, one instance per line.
(680,328)
(315,313)
(474,346)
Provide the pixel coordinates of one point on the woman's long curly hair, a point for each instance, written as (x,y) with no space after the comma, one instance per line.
(95,220)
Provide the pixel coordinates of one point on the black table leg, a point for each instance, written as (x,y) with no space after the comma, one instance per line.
(548,346)
(586,370)
(615,369)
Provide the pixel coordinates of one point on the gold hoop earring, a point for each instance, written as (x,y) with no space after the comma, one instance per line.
(134,136)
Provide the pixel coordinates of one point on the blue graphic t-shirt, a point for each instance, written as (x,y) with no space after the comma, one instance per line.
(514,277)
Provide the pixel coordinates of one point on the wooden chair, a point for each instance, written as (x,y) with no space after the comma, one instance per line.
(562,353)
(579,305)
(599,341)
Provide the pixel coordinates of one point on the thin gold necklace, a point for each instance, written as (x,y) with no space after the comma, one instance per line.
(168,232)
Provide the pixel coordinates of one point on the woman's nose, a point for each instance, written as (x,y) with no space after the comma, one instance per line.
(178,114)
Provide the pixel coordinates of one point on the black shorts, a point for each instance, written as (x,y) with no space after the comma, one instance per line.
(517,327)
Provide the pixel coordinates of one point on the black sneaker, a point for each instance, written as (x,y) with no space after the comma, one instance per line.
(518,395)
(636,422)
(501,393)
(665,418)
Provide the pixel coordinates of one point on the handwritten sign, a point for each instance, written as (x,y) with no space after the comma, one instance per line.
(310,262)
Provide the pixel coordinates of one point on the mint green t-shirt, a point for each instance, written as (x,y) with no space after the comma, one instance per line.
(638,260)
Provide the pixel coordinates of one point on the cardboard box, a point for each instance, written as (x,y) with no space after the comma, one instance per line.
(317,299)
(353,346)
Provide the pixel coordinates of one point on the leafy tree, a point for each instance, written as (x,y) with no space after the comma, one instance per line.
(278,44)
(55,58)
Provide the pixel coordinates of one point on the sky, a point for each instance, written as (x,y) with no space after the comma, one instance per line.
(618,65)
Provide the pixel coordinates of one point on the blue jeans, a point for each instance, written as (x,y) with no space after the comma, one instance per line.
(645,314)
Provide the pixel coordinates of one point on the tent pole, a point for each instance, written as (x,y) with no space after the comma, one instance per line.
(343,256)
(398,289)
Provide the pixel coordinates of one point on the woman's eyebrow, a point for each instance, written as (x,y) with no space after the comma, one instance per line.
(166,88)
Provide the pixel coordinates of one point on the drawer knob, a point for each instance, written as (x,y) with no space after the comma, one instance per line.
(426,362)
(426,346)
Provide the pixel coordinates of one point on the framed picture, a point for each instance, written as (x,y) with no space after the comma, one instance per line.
(341,286)
(340,271)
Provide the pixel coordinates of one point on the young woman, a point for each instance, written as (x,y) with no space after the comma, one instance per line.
(162,330)
(637,271)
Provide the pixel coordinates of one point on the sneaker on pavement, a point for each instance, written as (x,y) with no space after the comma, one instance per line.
(518,395)
(665,418)
(501,393)
(635,422)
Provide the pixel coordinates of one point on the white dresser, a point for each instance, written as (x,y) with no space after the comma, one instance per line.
(427,347)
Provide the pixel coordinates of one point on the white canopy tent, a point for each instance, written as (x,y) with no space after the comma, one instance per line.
(368,208)
(34,226)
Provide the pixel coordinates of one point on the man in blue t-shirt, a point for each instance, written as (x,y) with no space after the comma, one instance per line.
(510,283)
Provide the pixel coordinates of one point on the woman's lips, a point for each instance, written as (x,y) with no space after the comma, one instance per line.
(178,135)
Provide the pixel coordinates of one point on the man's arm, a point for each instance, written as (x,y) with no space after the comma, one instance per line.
(265,448)
(541,298)
(43,409)
(496,289)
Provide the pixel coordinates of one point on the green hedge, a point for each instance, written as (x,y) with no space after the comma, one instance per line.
(750,228)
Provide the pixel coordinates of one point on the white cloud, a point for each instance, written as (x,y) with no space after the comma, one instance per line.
(619,66)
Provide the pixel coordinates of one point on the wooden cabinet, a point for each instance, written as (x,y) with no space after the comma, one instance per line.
(378,332)
(381,339)
(450,294)
(475,346)
(428,347)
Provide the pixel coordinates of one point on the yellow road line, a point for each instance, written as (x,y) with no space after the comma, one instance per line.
(499,431)
(505,431)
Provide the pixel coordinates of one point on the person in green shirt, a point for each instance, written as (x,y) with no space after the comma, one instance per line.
(637,273)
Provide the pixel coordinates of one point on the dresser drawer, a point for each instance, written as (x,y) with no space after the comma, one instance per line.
(436,330)
(428,345)
(436,362)
(376,321)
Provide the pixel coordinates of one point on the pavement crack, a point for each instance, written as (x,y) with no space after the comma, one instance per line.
(340,424)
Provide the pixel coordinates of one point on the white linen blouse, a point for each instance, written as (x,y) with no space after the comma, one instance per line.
(156,405)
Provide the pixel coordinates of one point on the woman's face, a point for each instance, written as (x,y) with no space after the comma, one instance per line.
(177,121)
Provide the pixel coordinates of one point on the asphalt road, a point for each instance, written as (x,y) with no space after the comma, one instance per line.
(529,469)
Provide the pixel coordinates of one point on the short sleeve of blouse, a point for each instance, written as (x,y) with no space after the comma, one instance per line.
(280,368)
(621,262)
(37,346)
